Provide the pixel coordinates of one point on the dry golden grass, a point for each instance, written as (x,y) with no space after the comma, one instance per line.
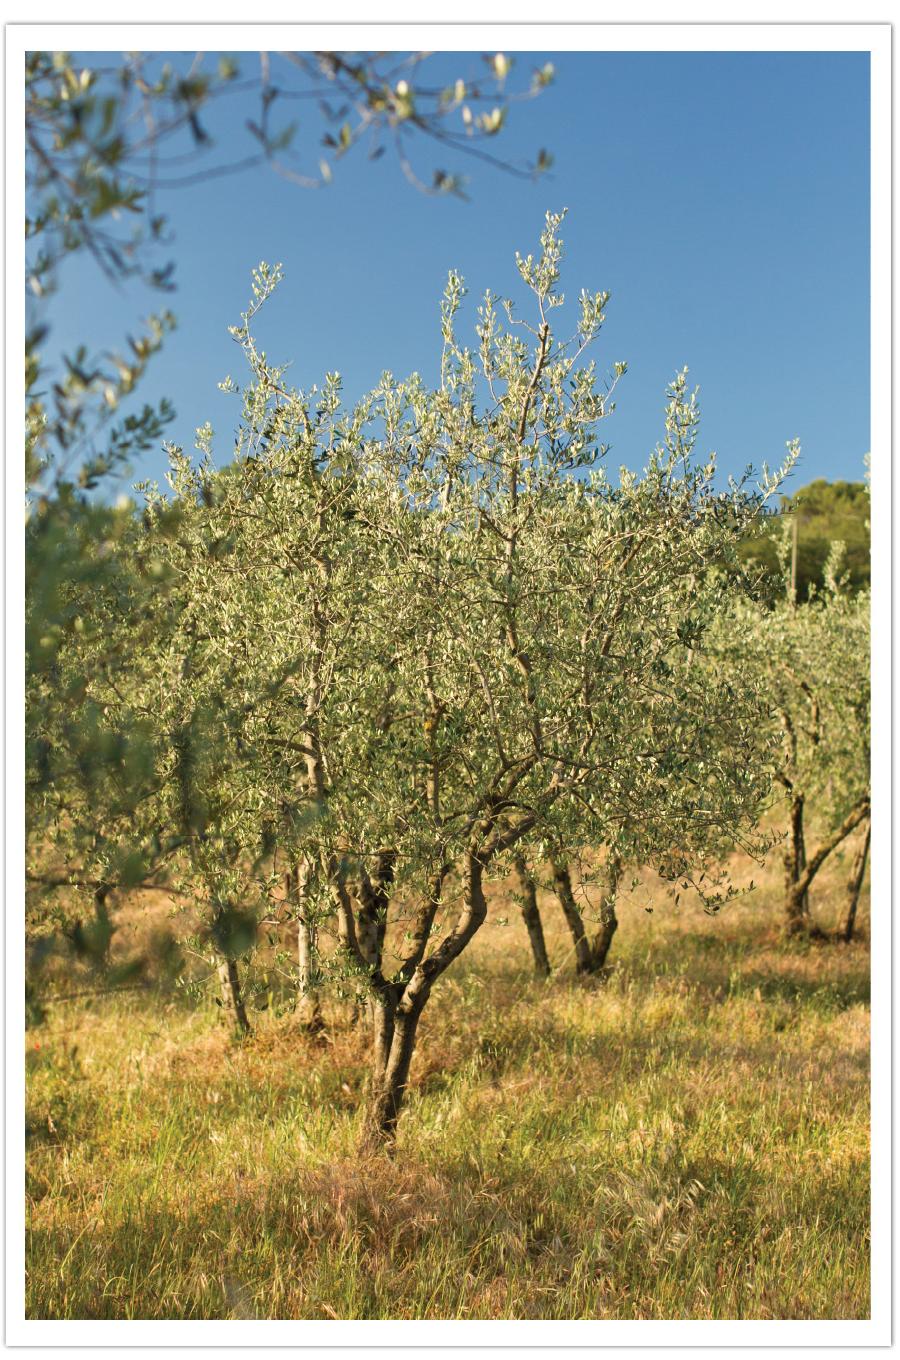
(687,1139)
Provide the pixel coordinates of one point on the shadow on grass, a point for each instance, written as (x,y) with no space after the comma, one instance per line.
(550,1237)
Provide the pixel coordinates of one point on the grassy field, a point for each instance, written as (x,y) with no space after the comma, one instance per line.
(689,1139)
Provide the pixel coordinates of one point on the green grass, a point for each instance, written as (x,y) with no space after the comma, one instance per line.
(687,1140)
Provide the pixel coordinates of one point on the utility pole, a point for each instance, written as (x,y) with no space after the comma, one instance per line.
(794,537)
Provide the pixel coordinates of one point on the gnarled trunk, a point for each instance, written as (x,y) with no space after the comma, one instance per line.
(389,1087)
(232,999)
(371,924)
(363,1006)
(532,917)
(854,885)
(384,1011)
(400,1006)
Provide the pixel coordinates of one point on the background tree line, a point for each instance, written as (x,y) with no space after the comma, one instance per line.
(824,513)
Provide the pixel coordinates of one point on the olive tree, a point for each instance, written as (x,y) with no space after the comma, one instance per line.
(813,662)
(687,763)
(483,631)
(416,637)
(91,751)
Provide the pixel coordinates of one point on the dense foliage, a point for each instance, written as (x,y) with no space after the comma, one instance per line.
(388,645)
(101,138)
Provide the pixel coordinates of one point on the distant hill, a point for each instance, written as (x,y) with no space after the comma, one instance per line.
(825,511)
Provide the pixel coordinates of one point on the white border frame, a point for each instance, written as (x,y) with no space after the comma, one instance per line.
(873,38)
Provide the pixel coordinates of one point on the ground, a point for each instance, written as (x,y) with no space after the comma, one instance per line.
(686,1139)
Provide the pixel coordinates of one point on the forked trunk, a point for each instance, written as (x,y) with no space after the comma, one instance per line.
(371,925)
(797,922)
(366,934)
(590,952)
(384,1011)
(389,1087)
(532,917)
(400,1008)
(232,999)
(854,885)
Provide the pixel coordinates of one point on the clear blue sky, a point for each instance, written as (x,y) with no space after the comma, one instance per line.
(723,199)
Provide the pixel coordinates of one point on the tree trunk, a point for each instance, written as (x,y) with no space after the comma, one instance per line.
(854,885)
(103,930)
(405,1006)
(796,922)
(232,1000)
(609,922)
(390,1087)
(590,953)
(796,907)
(532,917)
(366,934)
(371,925)
(384,1013)
(563,881)
(308,1008)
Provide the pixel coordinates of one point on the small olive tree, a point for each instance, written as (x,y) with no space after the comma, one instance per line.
(415,637)
(489,632)
(812,661)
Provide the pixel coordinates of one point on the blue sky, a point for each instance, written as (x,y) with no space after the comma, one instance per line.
(722,198)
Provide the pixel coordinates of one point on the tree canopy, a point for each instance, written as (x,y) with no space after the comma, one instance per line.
(390,643)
